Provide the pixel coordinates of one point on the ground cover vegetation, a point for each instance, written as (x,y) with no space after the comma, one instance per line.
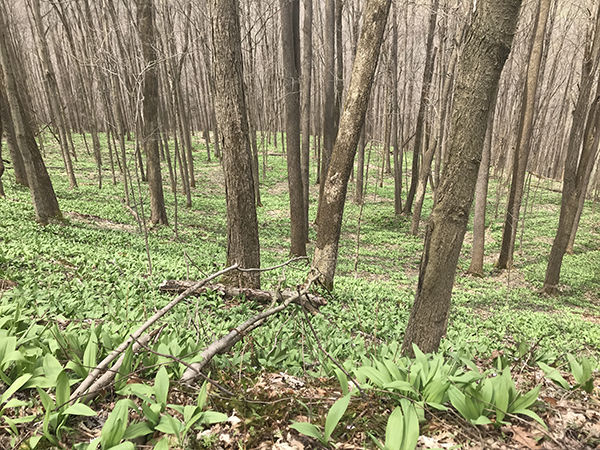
(222,229)
(73,290)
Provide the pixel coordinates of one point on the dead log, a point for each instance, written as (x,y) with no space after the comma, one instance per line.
(230,292)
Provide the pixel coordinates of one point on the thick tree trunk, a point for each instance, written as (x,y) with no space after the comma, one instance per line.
(230,108)
(331,205)
(42,193)
(522,149)
(487,45)
(150,131)
(290,43)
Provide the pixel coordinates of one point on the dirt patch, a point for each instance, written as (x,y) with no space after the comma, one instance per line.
(100,222)
(5,285)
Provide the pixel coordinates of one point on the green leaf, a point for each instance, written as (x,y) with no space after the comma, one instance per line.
(161,386)
(530,413)
(343,380)
(202,395)
(169,425)
(411,425)
(63,390)
(372,373)
(554,375)
(210,417)
(308,429)
(52,367)
(399,385)
(115,425)
(163,444)
(481,420)
(335,414)
(526,400)
(136,430)
(34,441)
(79,409)
(124,446)
(15,386)
(394,430)
(91,351)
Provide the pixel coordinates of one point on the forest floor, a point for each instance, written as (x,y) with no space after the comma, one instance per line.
(71,292)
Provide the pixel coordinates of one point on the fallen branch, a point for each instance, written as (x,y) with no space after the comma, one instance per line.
(229,292)
(106,379)
(101,368)
(235,335)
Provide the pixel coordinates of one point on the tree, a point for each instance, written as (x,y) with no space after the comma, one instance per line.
(425,87)
(290,43)
(305,87)
(522,149)
(230,108)
(487,45)
(335,183)
(53,93)
(328,120)
(579,160)
(42,193)
(1,160)
(481,192)
(11,141)
(150,131)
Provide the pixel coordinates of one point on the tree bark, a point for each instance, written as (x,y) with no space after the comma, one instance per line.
(487,45)
(150,131)
(328,121)
(11,140)
(522,149)
(577,161)
(306,85)
(481,191)
(230,109)
(290,44)
(425,88)
(331,205)
(42,193)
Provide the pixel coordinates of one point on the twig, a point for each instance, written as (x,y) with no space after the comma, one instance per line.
(238,333)
(289,261)
(180,361)
(85,385)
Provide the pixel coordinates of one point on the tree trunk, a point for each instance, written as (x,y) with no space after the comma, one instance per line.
(290,45)
(328,126)
(522,149)
(578,160)
(150,131)
(487,45)
(481,191)
(11,140)
(331,205)
(42,193)
(306,84)
(230,108)
(419,134)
